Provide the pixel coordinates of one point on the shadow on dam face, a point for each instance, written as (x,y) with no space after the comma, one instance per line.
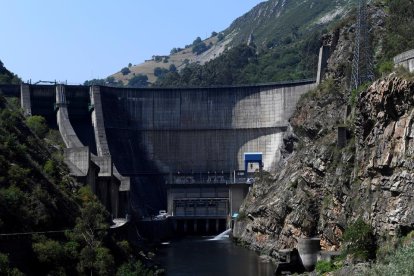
(154,132)
(78,100)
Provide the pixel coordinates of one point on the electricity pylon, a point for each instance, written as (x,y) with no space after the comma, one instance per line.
(362,66)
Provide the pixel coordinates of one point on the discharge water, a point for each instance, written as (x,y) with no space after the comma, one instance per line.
(211,256)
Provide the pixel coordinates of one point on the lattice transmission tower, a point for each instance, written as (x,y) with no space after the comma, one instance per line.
(362,66)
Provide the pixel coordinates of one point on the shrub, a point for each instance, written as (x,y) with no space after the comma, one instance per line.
(323,267)
(159,72)
(125,71)
(385,67)
(139,80)
(359,240)
(355,93)
(5,268)
(133,268)
(399,263)
(38,125)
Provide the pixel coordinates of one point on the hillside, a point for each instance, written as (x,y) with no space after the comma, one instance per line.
(275,28)
(49,223)
(355,197)
(7,77)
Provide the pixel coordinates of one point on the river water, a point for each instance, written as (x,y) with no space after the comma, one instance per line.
(207,256)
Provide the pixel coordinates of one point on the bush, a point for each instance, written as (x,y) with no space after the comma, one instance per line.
(5,268)
(359,241)
(355,93)
(125,71)
(385,67)
(323,267)
(133,268)
(38,125)
(139,80)
(200,48)
(159,72)
(399,263)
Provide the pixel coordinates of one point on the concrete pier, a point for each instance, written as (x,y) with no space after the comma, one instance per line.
(309,249)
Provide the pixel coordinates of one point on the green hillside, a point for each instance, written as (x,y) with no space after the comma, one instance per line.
(49,223)
(7,77)
(274,21)
(284,36)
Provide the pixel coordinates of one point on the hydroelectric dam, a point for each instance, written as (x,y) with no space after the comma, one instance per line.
(176,149)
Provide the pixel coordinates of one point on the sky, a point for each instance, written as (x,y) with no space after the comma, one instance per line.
(76,40)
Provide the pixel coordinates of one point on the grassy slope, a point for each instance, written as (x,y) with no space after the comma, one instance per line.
(272,24)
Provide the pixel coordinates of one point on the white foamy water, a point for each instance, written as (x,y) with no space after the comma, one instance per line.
(221,236)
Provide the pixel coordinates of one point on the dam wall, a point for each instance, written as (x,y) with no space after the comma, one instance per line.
(125,142)
(406,60)
(196,129)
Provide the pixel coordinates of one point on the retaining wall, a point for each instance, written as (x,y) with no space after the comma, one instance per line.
(406,60)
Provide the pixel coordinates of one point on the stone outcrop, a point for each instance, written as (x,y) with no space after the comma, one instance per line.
(385,155)
(320,188)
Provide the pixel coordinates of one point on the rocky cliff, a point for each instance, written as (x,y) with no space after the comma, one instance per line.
(320,187)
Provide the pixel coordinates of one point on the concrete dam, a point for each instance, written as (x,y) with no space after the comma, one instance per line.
(134,141)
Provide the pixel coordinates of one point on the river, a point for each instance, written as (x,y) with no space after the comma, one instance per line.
(207,256)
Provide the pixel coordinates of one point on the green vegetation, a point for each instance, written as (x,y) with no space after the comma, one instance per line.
(355,93)
(323,267)
(138,81)
(125,71)
(397,36)
(38,125)
(37,195)
(159,72)
(399,27)
(133,269)
(7,77)
(245,65)
(5,268)
(109,81)
(199,46)
(359,241)
(220,71)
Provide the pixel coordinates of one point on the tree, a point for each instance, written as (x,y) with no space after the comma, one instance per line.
(220,36)
(138,81)
(172,68)
(5,268)
(200,48)
(38,125)
(90,229)
(197,41)
(94,82)
(159,72)
(125,71)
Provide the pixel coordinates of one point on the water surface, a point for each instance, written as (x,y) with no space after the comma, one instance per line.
(206,256)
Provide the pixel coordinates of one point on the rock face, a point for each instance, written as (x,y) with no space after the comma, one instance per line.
(385,154)
(320,188)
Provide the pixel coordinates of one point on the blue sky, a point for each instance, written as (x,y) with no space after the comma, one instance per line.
(75,40)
